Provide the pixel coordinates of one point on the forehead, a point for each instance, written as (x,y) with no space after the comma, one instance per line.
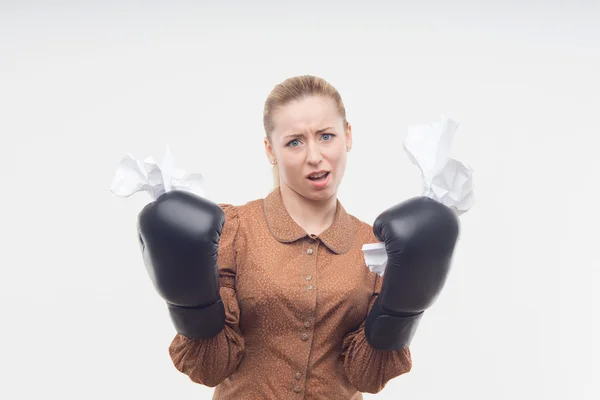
(308,114)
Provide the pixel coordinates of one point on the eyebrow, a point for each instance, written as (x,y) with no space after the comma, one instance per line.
(301,134)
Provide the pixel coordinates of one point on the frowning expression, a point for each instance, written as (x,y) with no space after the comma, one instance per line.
(310,143)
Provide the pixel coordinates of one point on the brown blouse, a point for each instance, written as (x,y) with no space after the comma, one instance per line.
(295,311)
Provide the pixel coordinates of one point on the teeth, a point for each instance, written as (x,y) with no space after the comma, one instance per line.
(318,175)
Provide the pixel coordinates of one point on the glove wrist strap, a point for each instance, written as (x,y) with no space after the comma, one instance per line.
(198,323)
(386,331)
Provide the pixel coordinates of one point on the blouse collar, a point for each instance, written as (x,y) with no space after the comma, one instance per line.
(338,237)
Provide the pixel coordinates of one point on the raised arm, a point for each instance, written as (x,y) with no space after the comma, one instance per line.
(181,236)
(420,235)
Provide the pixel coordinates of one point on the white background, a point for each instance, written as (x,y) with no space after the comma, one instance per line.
(83,83)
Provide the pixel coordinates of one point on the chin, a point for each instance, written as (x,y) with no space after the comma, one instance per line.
(320,195)
(312,194)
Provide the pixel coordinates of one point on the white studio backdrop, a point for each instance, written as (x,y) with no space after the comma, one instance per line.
(84,83)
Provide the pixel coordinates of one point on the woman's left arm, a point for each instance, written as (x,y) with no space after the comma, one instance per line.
(420,235)
(367,368)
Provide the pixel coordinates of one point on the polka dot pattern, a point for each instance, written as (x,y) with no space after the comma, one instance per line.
(295,309)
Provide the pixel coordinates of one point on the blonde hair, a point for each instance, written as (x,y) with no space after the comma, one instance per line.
(296,88)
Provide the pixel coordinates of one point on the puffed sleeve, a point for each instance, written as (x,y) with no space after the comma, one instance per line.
(210,361)
(369,369)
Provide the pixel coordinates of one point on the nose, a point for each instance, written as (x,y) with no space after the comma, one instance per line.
(314,156)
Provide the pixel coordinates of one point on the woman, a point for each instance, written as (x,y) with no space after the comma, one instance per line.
(286,316)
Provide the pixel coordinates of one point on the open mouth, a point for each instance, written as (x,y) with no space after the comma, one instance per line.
(319,177)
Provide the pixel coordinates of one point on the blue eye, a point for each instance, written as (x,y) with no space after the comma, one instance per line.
(291,143)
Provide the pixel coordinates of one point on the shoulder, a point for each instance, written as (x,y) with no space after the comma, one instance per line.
(235,213)
(231,214)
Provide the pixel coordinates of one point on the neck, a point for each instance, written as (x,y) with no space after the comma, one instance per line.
(314,216)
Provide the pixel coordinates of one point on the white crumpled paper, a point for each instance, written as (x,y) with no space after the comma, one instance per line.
(156,178)
(444,179)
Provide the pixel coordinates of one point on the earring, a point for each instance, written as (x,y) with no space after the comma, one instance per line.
(348,148)
(273,162)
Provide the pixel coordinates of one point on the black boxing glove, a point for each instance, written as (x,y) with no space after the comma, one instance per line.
(179,234)
(420,235)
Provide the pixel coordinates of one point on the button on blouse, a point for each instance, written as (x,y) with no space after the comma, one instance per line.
(295,308)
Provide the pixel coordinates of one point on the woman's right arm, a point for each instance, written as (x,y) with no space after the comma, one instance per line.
(209,361)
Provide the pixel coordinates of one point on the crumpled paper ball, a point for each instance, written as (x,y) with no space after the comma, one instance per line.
(445,179)
(153,177)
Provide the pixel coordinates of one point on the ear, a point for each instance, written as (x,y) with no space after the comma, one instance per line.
(349,135)
(269,150)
